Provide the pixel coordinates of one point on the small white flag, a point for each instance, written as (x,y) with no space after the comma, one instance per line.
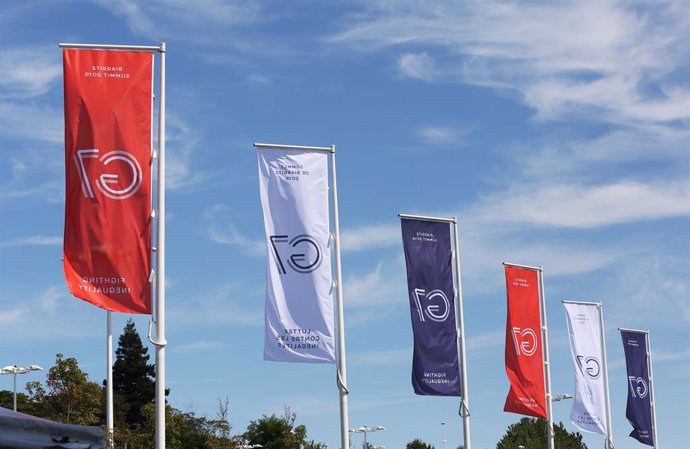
(299,302)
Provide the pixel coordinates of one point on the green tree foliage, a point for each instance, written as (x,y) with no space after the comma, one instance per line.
(134,382)
(531,433)
(272,432)
(69,396)
(418,444)
(7,401)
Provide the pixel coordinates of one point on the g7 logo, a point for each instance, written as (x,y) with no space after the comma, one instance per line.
(307,259)
(438,310)
(589,366)
(107,182)
(525,339)
(639,386)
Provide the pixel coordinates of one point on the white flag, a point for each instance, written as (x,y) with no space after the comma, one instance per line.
(589,405)
(299,303)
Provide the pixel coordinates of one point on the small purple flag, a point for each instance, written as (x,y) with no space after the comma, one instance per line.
(639,408)
(428,257)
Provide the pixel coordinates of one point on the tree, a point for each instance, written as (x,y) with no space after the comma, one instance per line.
(133,377)
(70,397)
(272,432)
(531,433)
(418,444)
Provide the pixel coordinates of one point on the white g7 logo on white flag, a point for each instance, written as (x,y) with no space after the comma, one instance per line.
(307,257)
(589,366)
(438,311)
(108,183)
(639,386)
(525,339)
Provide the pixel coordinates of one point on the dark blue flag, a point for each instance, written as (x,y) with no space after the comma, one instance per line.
(639,408)
(428,257)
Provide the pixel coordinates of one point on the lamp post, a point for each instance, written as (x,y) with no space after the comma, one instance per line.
(445,440)
(560,397)
(14,370)
(364,430)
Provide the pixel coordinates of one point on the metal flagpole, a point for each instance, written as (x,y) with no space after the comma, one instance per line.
(342,368)
(465,404)
(652,399)
(109,379)
(160,264)
(160,250)
(547,366)
(609,430)
(462,359)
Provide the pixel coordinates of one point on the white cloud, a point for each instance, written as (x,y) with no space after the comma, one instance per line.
(443,135)
(370,237)
(419,66)
(29,71)
(203,308)
(31,121)
(220,230)
(385,358)
(576,206)
(34,240)
(615,57)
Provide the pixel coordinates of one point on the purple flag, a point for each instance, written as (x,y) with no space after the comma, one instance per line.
(428,257)
(639,408)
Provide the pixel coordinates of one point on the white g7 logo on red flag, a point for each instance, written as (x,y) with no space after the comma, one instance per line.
(307,257)
(109,184)
(438,310)
(525,339)
(639,386)
(589,366)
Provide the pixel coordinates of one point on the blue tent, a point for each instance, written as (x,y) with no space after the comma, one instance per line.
(22,431)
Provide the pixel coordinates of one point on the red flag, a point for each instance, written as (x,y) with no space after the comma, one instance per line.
(107,242)
(524,359)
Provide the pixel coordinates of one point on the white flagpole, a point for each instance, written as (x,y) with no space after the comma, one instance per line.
(109,379)
(465,403)
(547,366)
(609,430)
(652,399)
(342,368)
(160,264)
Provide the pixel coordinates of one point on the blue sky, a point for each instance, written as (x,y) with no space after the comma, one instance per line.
(556,132)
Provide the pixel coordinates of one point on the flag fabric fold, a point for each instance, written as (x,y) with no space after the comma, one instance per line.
(588,412)
(524,362)
(428,258)
(639,406)
(108,99)
(299,324)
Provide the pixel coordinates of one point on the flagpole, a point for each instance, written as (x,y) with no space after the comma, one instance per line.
(109,378)
(547,365)
(464,404)
(609,430)
(160,263)
(342,369)
(652,399)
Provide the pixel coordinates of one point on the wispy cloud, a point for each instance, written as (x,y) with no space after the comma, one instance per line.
(446,136)
(578,206)
(28,71)
(34,240)
(370,237)
(385,358)
(203,307)
(614,58)
(219,229)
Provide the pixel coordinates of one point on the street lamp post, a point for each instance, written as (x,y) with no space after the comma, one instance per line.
(14,370)
(364,430)
(445,440)
(560,397)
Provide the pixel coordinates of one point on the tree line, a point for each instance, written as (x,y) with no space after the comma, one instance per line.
(68,396)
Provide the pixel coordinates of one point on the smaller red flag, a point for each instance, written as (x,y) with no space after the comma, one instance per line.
(523,353)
